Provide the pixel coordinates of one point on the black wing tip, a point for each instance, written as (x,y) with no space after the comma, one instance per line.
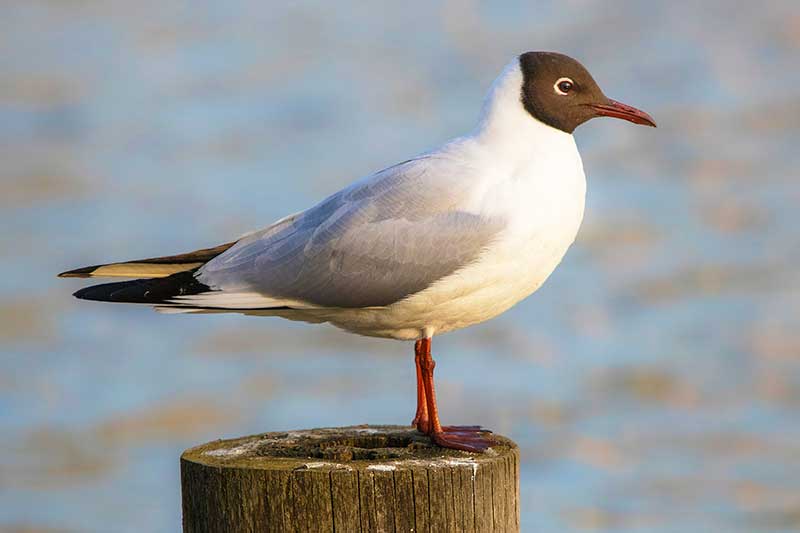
(144,291)
(121,291)
(94,292)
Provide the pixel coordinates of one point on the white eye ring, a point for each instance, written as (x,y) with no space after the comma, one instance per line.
(559,81)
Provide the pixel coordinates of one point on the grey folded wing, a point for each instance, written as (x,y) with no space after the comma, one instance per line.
(372,244)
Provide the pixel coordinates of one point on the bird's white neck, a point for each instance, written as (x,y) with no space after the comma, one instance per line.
(506,128)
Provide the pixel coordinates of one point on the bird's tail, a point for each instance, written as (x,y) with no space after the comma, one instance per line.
(169,284)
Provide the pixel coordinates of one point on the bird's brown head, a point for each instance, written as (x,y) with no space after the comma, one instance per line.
(560,92)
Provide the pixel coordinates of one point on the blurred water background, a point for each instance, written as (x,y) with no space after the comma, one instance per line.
(653,383)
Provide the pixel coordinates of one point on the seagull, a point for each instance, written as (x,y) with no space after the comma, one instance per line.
(444,240)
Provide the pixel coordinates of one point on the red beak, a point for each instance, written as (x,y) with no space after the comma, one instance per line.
(619,110)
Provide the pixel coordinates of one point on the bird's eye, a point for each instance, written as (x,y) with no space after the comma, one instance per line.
(563,86)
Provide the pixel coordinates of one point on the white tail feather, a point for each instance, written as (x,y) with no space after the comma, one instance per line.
(235,300)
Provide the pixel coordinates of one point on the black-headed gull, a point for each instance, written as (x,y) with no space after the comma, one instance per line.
(447,239)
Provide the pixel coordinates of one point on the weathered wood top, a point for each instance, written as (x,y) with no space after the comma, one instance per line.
(353,447)
(358,478)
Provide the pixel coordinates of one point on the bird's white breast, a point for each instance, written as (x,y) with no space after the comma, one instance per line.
(544,202)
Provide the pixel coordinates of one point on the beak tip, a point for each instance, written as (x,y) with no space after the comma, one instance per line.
(619,110)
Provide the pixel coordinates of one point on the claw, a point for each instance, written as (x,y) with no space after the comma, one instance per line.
(468,442)
(424,426)
(463,429)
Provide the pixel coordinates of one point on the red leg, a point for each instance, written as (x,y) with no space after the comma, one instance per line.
(421,418)
(468,438)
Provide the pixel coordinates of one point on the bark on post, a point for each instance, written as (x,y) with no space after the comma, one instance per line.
(353,479)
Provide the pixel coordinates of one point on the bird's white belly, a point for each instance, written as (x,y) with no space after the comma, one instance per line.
(496,283)
(513,267)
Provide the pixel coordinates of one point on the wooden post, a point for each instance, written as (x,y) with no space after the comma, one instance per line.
(347,480)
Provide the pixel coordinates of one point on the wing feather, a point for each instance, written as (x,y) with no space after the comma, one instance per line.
(374,243)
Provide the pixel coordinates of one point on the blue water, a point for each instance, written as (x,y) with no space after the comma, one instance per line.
(653,383)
